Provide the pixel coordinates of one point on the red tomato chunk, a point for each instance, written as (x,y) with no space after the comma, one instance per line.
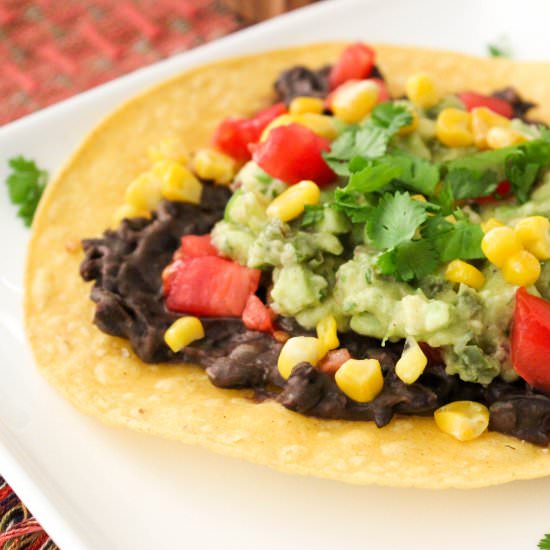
(209,286)
(257,316)
(356,62)
(234,134)
(194,246)
(472,100)
(292,153)
(531,339)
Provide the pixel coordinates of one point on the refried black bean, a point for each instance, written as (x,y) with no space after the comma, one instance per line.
(519,105)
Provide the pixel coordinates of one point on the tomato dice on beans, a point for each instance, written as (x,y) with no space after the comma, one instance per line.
(209,286)
(234,134)
(292,153)
(531,339)
(257,316)
(194,246)
(472,100)
(356,62)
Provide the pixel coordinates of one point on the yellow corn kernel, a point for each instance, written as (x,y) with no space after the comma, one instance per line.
(491,223)
(169,149)
(303,104)
(452,128)
(177,182)
(360,379)
(127,211)
(296,350)
(144,192)
(327,333)
(534,234)
(410,128)
(499,244)
(483,119)
(182,332)
(522,269)
(412,362)
(497,138)
(464,420)
(210,164)
(422,90)
(322,125)
(291,203)
(353,102)
(462,272)
(419,198)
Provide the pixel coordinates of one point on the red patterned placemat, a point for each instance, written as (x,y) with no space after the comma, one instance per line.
(53,49)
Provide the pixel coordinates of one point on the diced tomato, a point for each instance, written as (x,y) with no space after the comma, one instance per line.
(194,246)
(383,93)
(472,100)
(293,153)
(356,62)
(503,190)
(433,354)
(531,339)
(333,360)
(234,134)
(257,316)
(209,286)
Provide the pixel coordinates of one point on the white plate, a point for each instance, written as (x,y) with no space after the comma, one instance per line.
(93,487)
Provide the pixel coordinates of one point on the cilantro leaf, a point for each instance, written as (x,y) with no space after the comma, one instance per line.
(354,205)
(26,183)
(544,543)
(471,184)
(369,140)
(409,260)
(496,51)
(460,240)
(394,220)
(312,214)
(373,177)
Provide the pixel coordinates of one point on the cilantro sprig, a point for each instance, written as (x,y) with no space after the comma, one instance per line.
(26,183)
(544,543)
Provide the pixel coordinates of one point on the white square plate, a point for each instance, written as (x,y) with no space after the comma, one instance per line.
(94,487)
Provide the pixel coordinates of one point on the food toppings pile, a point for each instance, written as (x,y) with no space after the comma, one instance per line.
(421,222)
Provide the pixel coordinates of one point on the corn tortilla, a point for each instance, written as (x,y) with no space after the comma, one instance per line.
(101,376)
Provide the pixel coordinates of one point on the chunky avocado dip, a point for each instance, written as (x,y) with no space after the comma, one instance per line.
(376,255)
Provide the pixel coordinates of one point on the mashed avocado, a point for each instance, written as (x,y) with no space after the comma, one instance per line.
(343,261)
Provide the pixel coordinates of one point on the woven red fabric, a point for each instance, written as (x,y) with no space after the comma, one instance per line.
(51,50)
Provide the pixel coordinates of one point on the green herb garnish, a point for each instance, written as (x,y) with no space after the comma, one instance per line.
(26,183)
(544,543)
(312,214)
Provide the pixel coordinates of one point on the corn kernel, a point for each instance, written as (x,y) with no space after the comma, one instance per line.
(327,333)
(322,125)
(144,192)
(296,350)
(452,128)
(462,272)
(491,223)
(210,164)
(522,269)
(177,182)
(360,379)
(169,149)
(127,211)
(422,90)
(499,244)
(419,198)
(182,332)
(302,104)
(483,119)
(291,203)
(353,102)
(534,234)
(497,138)
(464,420)
(413,125)
(412,362)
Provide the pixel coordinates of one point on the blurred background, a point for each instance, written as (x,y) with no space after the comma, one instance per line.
(52,49)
